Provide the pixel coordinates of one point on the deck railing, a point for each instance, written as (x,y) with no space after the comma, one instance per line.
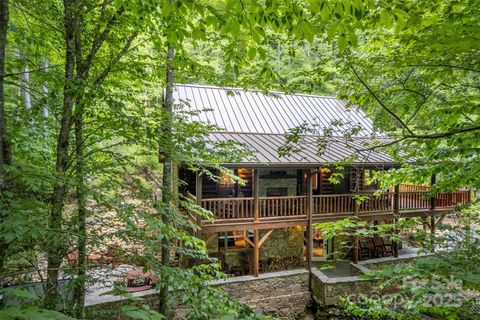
(229,208)
(296,206)
(377,203)
(283,206)
(408,187)
(453,199)
(333,203)
(346,203)
(414,200)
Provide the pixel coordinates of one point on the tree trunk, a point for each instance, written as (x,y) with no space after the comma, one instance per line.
(82,70)
(79,291)
(5,154)
(55,250)
(25,83)
(168,175)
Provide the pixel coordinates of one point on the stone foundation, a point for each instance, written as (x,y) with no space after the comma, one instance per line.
(283,250)
(283,294)
(109,307)
(282,243)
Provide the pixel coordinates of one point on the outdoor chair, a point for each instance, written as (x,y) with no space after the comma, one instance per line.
(388,247)
(365,252)
(378,247)
(110,258)
(248,262)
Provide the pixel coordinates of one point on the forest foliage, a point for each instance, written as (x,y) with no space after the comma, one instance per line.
(84,128)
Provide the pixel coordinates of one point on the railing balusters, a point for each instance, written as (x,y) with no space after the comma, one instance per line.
(270,207)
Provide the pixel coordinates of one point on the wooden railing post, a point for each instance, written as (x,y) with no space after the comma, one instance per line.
(433,198)
(395,243)
(433,228)
(432,208)
(198,193)
(309,224)
(396,212)
(356,239)
(256,195)
(396,200)
(256,253)
(256,218)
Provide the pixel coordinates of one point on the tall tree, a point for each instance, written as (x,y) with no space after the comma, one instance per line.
(55,249)
(168,178)
(5,153)
(79,82)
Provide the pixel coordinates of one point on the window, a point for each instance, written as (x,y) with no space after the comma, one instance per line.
(314,174)
(234,240)
(368,184)
(226,180)
(244,173)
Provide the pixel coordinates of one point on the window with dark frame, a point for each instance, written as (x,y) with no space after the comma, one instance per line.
(234,239)
(368,184)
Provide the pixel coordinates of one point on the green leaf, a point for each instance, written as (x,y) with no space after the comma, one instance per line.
(332,29)
(252,52)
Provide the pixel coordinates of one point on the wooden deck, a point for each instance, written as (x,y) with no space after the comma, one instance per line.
(255,213)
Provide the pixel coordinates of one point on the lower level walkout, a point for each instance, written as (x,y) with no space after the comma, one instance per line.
(288,248)
(283,249)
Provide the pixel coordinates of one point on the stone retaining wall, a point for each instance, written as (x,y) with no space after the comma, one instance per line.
(327,291)
(283,294)
(109,307)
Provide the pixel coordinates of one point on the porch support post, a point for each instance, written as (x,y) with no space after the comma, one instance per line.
(225,241)
(396,212)
(256,253)
(356,238)
(396,200)
(309,225)
(432,199)
(433,228)
(432,208)
(198,193)
(256,218)
(256,195)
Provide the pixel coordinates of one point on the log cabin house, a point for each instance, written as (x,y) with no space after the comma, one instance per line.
(267,223)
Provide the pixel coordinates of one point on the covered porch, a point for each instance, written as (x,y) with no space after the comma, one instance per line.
(286,197)
(245,216)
